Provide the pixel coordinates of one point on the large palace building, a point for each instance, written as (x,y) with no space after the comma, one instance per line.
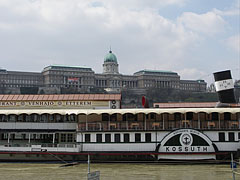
(53,78)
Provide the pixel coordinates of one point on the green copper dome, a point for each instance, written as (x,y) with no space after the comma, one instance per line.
(110,57)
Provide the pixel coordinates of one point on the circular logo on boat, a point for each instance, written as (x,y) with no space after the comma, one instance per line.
(186,139)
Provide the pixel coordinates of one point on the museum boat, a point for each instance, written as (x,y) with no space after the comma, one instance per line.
(71,127)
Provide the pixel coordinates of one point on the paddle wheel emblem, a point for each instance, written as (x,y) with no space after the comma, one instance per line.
(186,139)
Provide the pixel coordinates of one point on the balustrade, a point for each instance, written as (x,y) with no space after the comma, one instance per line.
(167,125)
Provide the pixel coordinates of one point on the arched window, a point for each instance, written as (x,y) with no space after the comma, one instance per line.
(34,117)
(12,118)
(215,116)
(59,118)
(44,118)
(227,116)
(189,115)
(177,116)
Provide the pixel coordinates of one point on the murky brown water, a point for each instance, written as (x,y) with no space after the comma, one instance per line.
(27,171)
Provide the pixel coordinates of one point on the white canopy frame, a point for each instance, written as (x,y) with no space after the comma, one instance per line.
(118,111)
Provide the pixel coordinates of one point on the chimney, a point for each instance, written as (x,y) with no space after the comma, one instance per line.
(224,87)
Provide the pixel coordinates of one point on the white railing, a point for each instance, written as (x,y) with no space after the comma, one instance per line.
(29,125)
(39,147)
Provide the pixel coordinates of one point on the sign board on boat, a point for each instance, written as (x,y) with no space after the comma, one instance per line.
(94,175)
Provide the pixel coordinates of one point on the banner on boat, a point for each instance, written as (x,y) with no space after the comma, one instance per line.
(54,104)
(184,141)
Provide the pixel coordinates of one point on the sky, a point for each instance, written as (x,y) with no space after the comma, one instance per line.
(191,37)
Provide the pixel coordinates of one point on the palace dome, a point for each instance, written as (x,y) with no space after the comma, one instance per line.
(110,57)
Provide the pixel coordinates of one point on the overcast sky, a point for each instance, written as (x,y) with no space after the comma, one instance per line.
(191,37)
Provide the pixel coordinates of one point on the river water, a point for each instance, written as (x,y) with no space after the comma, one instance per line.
(32,171)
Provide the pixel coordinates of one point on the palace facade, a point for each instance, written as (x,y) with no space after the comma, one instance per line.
(57,77)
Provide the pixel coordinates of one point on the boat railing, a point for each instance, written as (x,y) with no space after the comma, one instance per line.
(155,125)
(46,145)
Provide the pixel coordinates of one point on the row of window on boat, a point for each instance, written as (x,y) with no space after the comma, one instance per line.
(138,137)
(104,117)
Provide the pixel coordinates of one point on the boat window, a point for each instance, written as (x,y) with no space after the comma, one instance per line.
(59,118)
(3,117)
(107,137)
(99,137)
(34,117)
(65,118)
(63,138)
(137,137)
(189,115)
(44,118)
(231,137)
(5,136)
(12,118)
(87,137)
(227,116)
(51,118)
(20,118)
(153,116)
(117,138)
(70,138)
(113,117)
(28,118)
(126,138)
(105,117)
(214,116)
(147,116)
(148,137)
(73,117)
(177,116)
(129,117)
(221,136)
